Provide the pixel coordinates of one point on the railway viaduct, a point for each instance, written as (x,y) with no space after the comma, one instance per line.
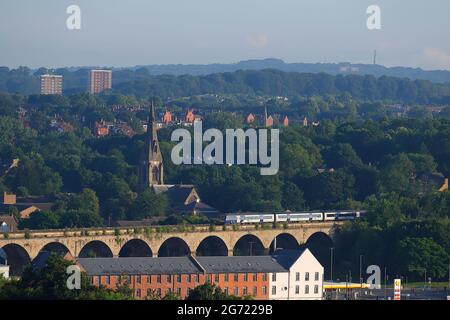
(22,247)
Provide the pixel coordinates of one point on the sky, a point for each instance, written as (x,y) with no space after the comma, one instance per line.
(121,33)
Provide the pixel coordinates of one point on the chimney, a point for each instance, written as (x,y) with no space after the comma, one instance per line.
(9,198)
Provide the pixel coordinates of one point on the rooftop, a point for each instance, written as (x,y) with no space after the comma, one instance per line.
(137,266)
(242,264)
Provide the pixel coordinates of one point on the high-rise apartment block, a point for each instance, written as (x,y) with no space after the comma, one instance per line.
(100,80)
(51,84)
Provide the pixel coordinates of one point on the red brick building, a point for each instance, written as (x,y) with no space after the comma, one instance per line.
(150,277)
(190,117)
(100,80)
(167,118)
(250,118)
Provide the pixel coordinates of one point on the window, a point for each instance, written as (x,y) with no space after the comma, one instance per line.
(197,278)
(149,279)
(226,277)
(316,276)
(264,290)
(236,291)
(236,277)
(188,291)
(169,279)
(297,289)
(95,280)
(107,280)
(158,292)
(178,277)
(264,277)
(169,291)
(138,293)
(255,277)
(306,276)
(316,289)
(274,290)
(138,279)
(245,277)
(226,291)
(297,276)
(149,292)
(216,278)
(274,277)
(179,291)
(244,291)
(189,278)
(255,291)
(306,289)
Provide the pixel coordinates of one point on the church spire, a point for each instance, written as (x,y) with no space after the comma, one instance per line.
(151,169)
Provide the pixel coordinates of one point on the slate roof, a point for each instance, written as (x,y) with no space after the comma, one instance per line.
(240,264)
(281,261)
(287,258)
(130,266)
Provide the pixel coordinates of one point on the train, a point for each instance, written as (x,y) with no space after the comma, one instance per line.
(293,217)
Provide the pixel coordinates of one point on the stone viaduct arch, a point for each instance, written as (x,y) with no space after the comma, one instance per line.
(127,243)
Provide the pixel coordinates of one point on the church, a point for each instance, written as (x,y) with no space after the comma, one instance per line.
(183,199)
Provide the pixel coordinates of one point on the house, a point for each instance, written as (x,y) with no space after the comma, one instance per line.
(184,199)
(25,205)
(8,224)
(167,118)
(303,279)
(305,122)
(101,129)
(250,118)
(190,117)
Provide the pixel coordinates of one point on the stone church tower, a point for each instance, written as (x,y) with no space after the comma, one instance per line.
(151,170)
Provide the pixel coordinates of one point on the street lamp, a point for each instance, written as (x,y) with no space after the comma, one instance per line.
(360,269)
(331,264)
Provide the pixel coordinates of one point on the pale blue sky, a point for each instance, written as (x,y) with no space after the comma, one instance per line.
(414,33)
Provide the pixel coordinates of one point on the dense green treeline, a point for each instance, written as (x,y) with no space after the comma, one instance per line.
(379,164)
(263,82)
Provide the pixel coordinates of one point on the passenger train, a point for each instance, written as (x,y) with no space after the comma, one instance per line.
(293,217)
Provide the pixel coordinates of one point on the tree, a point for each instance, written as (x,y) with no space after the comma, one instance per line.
(85,201)
(79,219)
(397,172)
(418,254)
(35,176)
(209,292)
(292,197)
(342,155)
(50,283)
(148,204)
(40,220)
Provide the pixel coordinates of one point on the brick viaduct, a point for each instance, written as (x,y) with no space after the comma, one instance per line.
(22,247)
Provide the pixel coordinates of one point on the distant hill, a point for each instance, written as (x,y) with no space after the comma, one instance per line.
(26,81)
(439,76)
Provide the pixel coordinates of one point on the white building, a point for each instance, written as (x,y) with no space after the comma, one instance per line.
(303,279)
